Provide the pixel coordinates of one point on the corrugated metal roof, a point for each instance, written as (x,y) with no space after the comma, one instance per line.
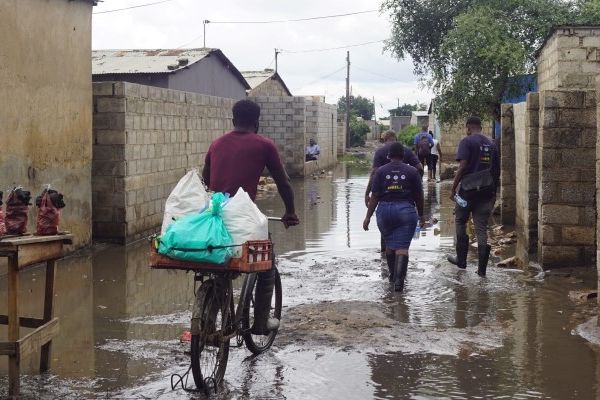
(255,78)
(145,61)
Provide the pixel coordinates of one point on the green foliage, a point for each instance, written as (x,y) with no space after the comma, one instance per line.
(407,109)
(359,106)
(358,132)
(467,49)
(407,135)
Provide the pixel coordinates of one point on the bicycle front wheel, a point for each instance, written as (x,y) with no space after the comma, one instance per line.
(210,341)
(259,343)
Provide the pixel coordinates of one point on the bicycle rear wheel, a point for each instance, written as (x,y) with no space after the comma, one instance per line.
(259,343)
(210,342)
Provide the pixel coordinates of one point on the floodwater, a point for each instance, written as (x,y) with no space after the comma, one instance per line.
(344,334)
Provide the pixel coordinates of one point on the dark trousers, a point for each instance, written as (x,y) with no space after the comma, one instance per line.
(481,210)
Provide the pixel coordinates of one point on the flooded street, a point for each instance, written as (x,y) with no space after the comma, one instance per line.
(344,334)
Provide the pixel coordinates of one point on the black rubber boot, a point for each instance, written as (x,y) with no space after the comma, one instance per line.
(462,249)
(391,263)
(484,256)
(400,272)
(265,282)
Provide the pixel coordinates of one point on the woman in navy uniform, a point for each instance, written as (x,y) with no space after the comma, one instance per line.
(398,197)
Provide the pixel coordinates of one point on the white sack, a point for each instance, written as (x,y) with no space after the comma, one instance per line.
(244,221)
(187,197)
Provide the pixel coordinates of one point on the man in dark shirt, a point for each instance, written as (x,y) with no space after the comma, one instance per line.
(476,153)
(237,159)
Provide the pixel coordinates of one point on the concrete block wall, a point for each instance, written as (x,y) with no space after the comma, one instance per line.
(341,134)
(321,125)
(567,203)
(526,121)
(270,87)
(570,59)
(145,139)
(283,119)
(507,163)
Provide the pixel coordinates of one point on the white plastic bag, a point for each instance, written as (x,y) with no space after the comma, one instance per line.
(244,221)
(187,197)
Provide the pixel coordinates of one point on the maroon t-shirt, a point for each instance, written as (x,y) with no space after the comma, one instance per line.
(237,159)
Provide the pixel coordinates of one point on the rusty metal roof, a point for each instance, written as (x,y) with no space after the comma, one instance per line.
(255,78)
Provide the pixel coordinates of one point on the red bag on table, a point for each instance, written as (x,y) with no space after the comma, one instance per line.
(48,216)
(17,208)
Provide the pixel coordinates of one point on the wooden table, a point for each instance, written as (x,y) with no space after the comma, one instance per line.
(23,252)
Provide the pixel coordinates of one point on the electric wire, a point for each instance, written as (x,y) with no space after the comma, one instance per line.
(331,48)
(321,78)
(293,20)
(377,74)
(129,8)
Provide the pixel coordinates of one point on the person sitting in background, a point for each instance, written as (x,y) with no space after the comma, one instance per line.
(398,198)
(312,150)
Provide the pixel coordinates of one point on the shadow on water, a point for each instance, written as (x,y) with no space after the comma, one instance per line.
(344,334)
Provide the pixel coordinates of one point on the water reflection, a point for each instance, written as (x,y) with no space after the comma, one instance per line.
(507,336)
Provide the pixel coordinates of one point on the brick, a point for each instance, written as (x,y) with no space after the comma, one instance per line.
(559,214)
(562,99)
(579,235)
(102,88)
(110,137)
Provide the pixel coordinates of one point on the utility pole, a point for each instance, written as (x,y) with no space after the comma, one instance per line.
(204,31)
(348,99)
(277,51)
(374,110)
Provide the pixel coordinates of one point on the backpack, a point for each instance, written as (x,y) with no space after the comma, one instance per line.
(423,145)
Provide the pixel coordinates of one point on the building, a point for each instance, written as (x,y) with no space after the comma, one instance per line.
(397,123)
(204,71)
(419,118)
(266,83)
(46,104)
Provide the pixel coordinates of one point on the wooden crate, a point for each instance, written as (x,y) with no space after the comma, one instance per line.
(256,257)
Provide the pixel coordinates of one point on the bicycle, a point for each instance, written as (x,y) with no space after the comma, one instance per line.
(215,318)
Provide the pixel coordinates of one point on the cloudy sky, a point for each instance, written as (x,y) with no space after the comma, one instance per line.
(178,23)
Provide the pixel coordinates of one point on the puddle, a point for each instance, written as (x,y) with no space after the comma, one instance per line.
(451,334)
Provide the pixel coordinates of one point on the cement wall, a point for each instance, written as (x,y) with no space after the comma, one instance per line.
(570,59)
(46,104)
(568,135)
(321,125)
(341,134)
(145,139)
(526,121)
(507,166)
(270,87)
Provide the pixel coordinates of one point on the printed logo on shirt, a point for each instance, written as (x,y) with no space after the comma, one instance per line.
(485,154)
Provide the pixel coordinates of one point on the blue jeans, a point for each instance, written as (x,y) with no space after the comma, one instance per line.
(397,221)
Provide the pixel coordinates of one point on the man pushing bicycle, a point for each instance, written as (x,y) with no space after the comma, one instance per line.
(237,159)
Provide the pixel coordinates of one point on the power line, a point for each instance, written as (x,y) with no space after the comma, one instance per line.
(321,78)
(332,48)
(294,20)
(129,8)
(378,74)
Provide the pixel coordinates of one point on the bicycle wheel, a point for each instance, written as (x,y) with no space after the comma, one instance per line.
(259,343)
(210,345)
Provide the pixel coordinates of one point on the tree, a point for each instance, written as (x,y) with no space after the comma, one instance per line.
(358,132)
(359,106)
(466,50)
(407,109)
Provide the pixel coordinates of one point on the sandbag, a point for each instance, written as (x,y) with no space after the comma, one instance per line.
(188,196)
(200,237)
(48,213)
(244,221)
(17,209)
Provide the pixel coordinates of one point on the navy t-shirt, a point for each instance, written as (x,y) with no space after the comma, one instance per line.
(397,181)
(480,153)
(380,157)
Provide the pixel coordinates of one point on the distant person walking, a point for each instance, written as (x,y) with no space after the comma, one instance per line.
(312,150)
(434,157)
(422,144)
(475,183)
(398,198)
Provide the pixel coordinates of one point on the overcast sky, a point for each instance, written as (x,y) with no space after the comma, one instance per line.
(178,23)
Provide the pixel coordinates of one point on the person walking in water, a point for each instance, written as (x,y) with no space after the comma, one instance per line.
(397,194)
(474,191)
(434,158)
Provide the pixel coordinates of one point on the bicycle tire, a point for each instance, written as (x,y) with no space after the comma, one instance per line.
(259,343)
(209,353)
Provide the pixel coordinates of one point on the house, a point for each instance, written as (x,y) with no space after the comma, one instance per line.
(204,71)
(266,83)
(397,123)
(46,104)
(419,118)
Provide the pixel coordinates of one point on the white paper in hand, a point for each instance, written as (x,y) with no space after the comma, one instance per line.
(244,221)
(187,197)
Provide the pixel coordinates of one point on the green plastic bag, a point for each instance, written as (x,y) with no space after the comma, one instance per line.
(199,237)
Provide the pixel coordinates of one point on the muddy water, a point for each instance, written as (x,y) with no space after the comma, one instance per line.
(344,334)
